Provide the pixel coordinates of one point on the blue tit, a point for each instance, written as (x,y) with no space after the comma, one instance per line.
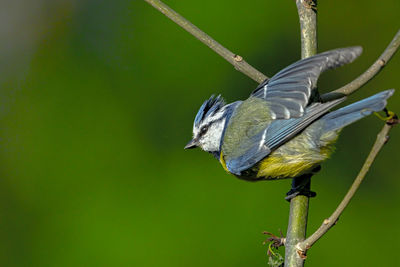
(282,130)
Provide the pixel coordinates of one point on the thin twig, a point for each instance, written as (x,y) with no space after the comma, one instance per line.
(370,73)
(237,61)
(299,205)
(381,140)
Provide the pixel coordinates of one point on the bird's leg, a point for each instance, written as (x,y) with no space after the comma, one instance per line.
(301,186)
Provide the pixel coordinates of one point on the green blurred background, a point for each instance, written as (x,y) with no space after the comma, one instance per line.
(97,101)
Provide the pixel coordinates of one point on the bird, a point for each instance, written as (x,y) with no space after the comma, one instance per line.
(284,129)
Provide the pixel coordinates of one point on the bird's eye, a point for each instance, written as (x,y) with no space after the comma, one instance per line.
(203,129)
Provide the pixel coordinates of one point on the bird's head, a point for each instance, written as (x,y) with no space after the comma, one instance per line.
(209,125)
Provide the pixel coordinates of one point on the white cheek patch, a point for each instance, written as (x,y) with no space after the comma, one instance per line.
(212,139)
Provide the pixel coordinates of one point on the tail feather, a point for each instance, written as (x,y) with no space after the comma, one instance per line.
(342,117)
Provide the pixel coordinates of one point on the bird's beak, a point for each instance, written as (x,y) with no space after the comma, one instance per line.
(192,144)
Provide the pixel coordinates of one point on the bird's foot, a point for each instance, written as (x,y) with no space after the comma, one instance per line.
(300,187)
(295,192)
(310,4)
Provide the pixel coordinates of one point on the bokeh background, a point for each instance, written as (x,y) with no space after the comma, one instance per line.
(97,100)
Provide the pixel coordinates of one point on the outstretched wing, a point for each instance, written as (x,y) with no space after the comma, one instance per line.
(288,92)
(244,151)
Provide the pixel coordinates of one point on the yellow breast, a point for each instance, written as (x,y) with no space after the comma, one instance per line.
(277,167)
(296,157)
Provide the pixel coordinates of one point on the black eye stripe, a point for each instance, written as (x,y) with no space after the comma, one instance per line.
(205,128)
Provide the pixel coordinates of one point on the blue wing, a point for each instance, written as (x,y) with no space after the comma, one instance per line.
(288,92)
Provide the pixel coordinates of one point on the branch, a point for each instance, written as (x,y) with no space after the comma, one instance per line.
(298,213)
(369,73)
(381,140)
(308,27)
(237,61)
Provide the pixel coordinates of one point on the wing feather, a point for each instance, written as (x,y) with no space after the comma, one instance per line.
(301,77)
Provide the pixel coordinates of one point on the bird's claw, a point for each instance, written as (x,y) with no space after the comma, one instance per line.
(301,187)
(294,192)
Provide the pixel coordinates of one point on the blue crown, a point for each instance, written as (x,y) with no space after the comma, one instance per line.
(209,107)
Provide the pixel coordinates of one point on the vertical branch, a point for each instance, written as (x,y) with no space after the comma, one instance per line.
(307,10)
(297,227)
(299,205)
